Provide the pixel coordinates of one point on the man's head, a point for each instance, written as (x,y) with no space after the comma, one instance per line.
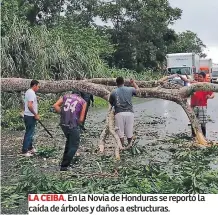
(34,85)
(76,92)
(120,81)
(196,76)
(201,76)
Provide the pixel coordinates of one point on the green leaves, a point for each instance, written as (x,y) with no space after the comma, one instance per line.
(191,174)
(187,42)
(138,31)
(62,39)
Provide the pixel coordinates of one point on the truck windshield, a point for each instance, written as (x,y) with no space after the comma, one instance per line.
(215,74)
(179,70)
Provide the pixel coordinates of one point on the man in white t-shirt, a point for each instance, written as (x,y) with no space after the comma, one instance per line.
(30,118)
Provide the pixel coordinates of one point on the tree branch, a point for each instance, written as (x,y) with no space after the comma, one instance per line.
(102,87)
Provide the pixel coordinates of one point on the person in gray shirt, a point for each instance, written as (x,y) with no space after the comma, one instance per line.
(121,99)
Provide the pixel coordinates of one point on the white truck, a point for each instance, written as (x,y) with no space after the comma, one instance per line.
(183,63)
(214,75)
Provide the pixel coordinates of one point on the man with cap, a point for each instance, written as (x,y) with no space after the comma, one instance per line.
(72,109)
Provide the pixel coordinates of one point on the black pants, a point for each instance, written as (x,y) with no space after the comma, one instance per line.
(203,128)
(72,144)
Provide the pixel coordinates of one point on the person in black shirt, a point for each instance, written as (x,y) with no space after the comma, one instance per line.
(88,98)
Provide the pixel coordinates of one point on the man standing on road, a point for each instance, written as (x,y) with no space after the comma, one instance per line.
(72,108)
(30,118)
(88,98)
(199,102)
(121,100)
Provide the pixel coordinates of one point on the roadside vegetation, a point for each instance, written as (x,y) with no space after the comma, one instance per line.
(188,171)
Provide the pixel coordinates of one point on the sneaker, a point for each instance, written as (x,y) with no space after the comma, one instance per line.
(33,151)
(77,154)
(66,169)
(28,154)
(63,169)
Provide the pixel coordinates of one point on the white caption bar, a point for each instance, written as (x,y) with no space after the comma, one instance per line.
(122,204)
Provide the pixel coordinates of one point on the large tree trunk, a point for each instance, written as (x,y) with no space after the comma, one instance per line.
(19,84)
(141,84)
(150,89)
(201,86)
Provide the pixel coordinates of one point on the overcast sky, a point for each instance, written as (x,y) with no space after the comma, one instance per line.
(201,17)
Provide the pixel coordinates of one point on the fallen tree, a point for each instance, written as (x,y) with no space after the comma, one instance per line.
(102,87)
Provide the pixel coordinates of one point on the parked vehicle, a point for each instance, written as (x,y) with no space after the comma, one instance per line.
(214,75)
(186,64)
(206,66)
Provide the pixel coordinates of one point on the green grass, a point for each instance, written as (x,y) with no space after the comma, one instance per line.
(11,118)
(99,102)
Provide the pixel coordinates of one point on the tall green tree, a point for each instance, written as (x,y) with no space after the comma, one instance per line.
(188,42)
(35,12)
(62,52)
(139,29)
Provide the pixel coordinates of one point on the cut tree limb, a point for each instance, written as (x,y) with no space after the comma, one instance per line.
(141,84)
(201,86)
(19,84)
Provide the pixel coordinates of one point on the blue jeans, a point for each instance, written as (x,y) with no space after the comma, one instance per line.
(72,144)
(30,124)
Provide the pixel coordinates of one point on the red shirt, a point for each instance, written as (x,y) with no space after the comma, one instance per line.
(200,98)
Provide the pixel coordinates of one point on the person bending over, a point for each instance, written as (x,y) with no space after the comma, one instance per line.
(72,109)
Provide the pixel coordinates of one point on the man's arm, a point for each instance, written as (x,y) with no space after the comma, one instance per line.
(167,77)
(58,104)
(211,95)
(92,99)
(82,113)
(82,94)
(111,99)
(30,99)
(30,106)
(187,80)
(134,84)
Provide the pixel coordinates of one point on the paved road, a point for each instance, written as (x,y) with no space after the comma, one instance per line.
(175,120)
